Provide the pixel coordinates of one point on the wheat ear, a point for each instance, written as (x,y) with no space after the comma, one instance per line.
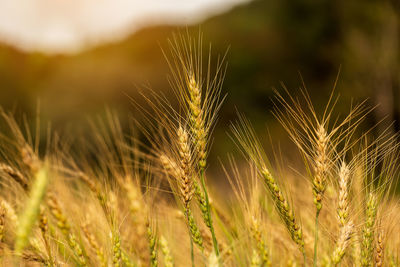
(342,243)
(168,260)
(197,120)
(176,171)
(320,167)
(200,131)
(201,200)
(10,213)
(261,246)
(44,228)
(139,215)
(343,204)
(255,259)
(194,229)
(251,146)
(319,179)
(15,174)
(127,260)
(368,231)
(96,190)
(94,244)
(380,249)
(116,249)
(284,209)
(63,225)
(186,185)
(152,239)
(346,228)
(30,257)
(186,182)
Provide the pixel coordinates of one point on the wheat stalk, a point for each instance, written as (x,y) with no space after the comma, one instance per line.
(32,209)
(15,174)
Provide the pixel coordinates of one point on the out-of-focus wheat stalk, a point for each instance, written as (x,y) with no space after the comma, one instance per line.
(32,209)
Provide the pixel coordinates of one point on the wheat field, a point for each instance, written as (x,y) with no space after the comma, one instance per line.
(148,199)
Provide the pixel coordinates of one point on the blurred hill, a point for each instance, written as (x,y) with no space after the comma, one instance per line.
(269,42)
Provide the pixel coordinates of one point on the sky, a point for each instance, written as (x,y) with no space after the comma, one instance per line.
(70,26)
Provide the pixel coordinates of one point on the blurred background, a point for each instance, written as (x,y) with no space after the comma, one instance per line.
(79,58)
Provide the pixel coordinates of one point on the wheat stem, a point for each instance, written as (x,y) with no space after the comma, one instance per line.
(32,209)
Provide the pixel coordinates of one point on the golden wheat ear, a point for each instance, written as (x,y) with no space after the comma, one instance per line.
(94,245)
(342,242)
(197,88)
(168,259)
(245,137)
(318,139)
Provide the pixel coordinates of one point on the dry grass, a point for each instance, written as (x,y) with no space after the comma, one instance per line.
(153,202)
